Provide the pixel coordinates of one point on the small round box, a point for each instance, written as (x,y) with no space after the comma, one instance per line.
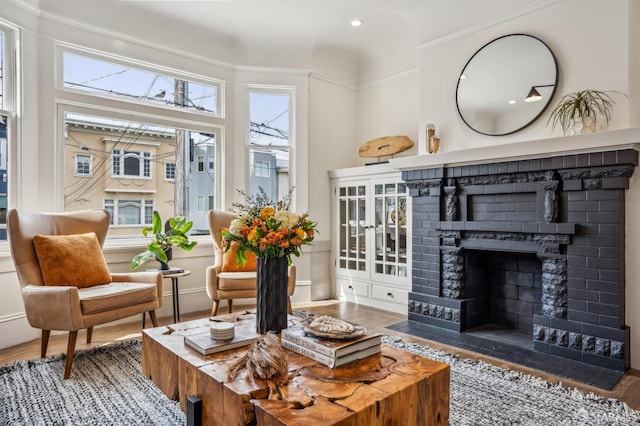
(222,330)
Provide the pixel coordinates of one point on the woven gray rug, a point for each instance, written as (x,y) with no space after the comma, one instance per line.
(106,387)
(483,394)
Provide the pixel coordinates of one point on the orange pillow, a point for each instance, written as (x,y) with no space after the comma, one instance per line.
(230,261)
(71,260)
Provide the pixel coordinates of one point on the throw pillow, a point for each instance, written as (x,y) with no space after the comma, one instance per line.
(230,261)
(71,260)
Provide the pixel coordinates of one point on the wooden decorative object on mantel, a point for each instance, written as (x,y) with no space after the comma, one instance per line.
(392,387)
(388,145)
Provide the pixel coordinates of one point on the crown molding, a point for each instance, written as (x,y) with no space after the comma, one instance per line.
(116,35)
(506,17)
(389,78)
(326,79)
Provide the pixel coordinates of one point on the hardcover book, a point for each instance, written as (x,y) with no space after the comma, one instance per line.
(203,343)
(330,347)
(327,360)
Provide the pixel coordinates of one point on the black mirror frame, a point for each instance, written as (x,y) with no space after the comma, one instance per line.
(555,84)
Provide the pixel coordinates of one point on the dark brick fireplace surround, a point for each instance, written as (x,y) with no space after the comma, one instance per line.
(534,245)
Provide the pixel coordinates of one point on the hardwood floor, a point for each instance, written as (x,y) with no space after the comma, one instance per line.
(627,390)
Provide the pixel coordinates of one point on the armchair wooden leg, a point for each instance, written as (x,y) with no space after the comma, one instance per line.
(89,334)
(214,308)
(230,305)
(154,319)
(289,308)
(71,348)
(44,343)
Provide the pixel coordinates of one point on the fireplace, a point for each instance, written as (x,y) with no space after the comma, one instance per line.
(532,246)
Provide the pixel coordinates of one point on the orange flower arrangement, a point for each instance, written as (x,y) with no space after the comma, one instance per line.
(268,229)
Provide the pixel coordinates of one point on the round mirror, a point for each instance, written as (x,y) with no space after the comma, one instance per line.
(506,84)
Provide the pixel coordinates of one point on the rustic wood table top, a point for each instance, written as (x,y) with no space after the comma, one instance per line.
(392,387)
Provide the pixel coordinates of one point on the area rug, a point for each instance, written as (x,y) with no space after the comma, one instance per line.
(483,394)
(106,387)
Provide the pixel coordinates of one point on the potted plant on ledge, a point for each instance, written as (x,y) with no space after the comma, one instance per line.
(175,233)
(578,112)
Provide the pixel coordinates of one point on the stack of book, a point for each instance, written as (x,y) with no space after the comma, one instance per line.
(204,343)
(331,352)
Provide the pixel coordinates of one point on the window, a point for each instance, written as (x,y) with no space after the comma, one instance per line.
(211,204)
(131,163)
(146,148)
(268,141)
(83,165)
(124,154)
(200,203)
(8,90)
(170,170)
(211,163)
(129,212)
(261,168)
(110,78)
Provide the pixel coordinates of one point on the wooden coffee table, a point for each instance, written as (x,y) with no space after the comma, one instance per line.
(393,387)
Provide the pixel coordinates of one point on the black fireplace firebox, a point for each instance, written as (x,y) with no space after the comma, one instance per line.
(536,245)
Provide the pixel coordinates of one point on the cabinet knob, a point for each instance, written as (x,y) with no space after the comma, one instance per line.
(350,287)
(390,294)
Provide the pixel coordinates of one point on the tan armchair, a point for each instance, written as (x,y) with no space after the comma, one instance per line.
(232,285)
(68,307)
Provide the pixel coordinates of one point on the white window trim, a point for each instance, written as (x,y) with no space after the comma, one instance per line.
(116,201)
(62,48)
(268,89)
(75,171)
(166,164)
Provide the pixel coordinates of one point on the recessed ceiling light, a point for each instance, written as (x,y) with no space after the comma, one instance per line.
(356,22)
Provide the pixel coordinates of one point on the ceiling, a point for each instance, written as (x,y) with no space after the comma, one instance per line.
(293,33)
(326,22)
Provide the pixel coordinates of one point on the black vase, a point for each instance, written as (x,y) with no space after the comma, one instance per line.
(271,297)
(165,266)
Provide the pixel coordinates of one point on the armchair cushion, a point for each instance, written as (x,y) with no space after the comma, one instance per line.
(230,260)
(71,260)
(116,295)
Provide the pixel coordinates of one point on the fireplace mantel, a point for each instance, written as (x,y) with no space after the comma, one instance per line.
(551,227)
(537,148)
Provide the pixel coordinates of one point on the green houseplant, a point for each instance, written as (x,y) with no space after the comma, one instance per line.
(163,239)
(578,112)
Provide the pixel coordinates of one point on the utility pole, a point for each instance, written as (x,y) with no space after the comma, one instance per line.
(180,188)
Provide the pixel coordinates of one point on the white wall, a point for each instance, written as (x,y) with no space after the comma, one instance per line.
(575,32)
(38,180)
(595,45)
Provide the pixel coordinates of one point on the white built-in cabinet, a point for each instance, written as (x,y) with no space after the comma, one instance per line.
(371,238)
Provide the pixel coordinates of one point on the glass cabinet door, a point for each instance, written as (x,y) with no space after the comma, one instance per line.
(390,201)
(352,202)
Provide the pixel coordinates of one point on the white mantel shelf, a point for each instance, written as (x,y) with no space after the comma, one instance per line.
(539,148)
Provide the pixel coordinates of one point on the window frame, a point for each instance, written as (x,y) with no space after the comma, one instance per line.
(167,166)
(62,48)
(11,104)
(290,91)
(76,171)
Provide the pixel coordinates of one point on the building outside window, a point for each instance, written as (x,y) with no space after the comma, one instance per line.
(211,163)
(138,159)
(268,140)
